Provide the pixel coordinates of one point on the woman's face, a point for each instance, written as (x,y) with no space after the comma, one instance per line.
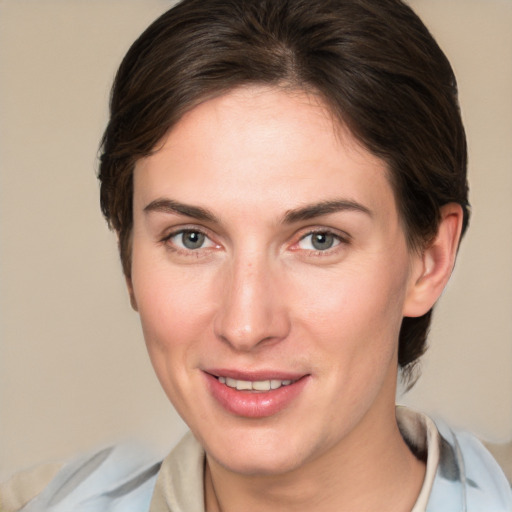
(271,273)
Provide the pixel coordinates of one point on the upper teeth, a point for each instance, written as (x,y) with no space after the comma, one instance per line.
(256,385)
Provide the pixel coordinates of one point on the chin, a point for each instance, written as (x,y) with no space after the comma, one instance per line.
(246,464)
(253,454)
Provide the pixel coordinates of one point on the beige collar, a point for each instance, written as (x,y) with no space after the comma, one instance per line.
(179,486)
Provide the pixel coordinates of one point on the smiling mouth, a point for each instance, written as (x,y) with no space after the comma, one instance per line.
(254,385)
(255,394)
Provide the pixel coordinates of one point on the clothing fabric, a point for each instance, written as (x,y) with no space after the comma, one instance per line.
(461,475)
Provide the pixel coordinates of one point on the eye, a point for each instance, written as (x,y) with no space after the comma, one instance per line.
(190,239)
(319,241)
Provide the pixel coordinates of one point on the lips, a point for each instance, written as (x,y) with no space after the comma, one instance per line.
(254,395)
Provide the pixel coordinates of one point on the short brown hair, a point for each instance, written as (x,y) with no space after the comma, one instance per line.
(373,62)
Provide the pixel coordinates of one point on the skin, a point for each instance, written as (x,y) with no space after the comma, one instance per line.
(259,295)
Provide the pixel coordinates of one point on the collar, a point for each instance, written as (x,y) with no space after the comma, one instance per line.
(179,486)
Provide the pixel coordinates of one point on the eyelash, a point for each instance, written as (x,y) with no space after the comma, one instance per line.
(340,239)
(166,240)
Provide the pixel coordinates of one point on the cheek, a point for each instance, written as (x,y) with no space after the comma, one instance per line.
(354,317)
(350,301)
(172,307)
(173,302)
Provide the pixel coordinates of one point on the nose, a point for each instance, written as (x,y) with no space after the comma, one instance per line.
(251,311)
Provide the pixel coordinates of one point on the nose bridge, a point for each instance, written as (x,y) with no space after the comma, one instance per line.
(251,311)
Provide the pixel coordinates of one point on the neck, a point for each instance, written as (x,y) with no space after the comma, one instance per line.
(372,469)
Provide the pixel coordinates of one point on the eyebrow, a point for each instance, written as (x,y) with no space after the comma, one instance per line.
(312,211)
(307,212)
(171,206)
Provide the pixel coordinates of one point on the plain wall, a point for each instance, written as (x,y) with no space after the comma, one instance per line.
(74,373)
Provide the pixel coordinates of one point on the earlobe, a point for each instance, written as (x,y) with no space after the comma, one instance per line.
(131,293)
(433,267)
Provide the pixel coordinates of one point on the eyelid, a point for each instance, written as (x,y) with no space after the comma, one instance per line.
(343,239)
(177,230)
(311,230)
(181,228)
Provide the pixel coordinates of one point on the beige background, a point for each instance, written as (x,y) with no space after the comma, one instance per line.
(73,369)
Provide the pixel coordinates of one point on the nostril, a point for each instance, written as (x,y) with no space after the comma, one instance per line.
(250,313)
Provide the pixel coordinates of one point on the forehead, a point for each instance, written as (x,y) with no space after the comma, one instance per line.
(272,146)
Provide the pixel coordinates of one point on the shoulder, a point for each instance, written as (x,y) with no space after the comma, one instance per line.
(502,452)
(461,474)
(119,478)
(25,485)
(468,477)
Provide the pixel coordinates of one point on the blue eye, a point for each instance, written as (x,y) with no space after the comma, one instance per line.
(319,241)
(191,240)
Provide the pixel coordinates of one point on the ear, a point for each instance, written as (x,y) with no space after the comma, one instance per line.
(432,269)
(131,293)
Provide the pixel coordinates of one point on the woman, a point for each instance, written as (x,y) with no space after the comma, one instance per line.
(287,181)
